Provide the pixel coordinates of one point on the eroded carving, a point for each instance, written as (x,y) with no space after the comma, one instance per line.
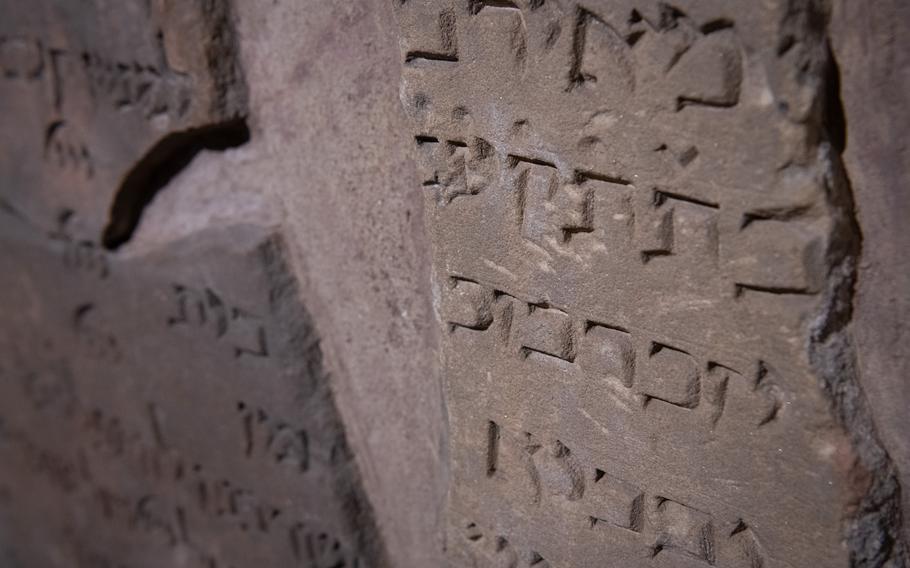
(205,309)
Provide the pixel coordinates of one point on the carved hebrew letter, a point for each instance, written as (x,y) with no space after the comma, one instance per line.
(608,354)
(600,56)
(548,331)
(670,375)
(682,528)
(614,501)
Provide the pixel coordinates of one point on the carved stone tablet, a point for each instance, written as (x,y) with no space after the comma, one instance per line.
(661,250)
(169,407)
(178,406)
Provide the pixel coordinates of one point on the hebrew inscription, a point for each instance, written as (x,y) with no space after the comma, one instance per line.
(196,457)
(167,406)
(95,89)
(628,289)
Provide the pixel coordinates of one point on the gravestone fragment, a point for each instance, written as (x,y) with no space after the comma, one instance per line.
(170,407)
(646,291)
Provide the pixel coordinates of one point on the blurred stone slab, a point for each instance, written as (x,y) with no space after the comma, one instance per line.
(101,98)
(169,409)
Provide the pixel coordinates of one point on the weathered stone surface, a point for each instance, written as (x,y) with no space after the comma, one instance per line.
(651,201)
(530,283)
(110,98)
(178,413)
(872,45)
(369,356)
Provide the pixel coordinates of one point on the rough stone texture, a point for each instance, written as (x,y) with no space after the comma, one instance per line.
(521,283)
(336,144)
(872,45)
(322,170)
(645,252)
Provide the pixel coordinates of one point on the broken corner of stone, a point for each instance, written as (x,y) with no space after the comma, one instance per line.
(526,283)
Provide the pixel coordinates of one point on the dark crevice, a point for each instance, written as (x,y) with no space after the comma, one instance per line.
(412,56)
(774,214)
(477,5)
(874,524)
(171,155)
(741,289)
(835,119)
(716,26)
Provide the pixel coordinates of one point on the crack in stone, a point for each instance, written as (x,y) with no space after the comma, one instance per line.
(874,521)
(167,158)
